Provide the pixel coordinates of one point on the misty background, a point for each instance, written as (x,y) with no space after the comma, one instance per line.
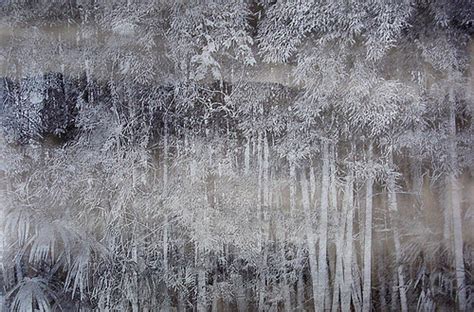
(246,155)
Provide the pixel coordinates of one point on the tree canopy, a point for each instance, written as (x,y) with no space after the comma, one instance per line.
(236,155)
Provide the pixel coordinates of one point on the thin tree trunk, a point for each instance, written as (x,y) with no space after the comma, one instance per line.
(201,260)
(247,156)
(339,216)
(323,280)
(347,261)
(201,284)
(215,295)
(367,281)
(394,215)
(356,286)
(456,208)
(313,184)
(2,250)
(260,176)
(448,216)
(292,186)
(285,287)
(261,203)
(417,177)
(381,276)
(311,240)
(394,297)
(266,177)
(300,292)
(165,223)
(134,300)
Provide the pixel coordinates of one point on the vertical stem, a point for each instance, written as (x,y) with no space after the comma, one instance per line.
(338,279)
(292,185)
(266,174)
(313,184)
(300,292)
(322,261)
(2,250)
(201,295)
(394,214)
(260,173)
(285,287)
(394,297)
(381,276)
(456,207)
(311,241)
(261,203)
(134,300)
(165,225)
(447,215)
(247,156)
(367,282)
(356,286)
(347,261)
(215,295)
(416,168)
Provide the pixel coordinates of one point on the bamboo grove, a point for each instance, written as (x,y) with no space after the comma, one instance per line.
(236,155)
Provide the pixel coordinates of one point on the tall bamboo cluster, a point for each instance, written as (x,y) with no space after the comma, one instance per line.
(153,157)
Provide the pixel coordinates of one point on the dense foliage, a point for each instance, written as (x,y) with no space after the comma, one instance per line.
(236,155)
